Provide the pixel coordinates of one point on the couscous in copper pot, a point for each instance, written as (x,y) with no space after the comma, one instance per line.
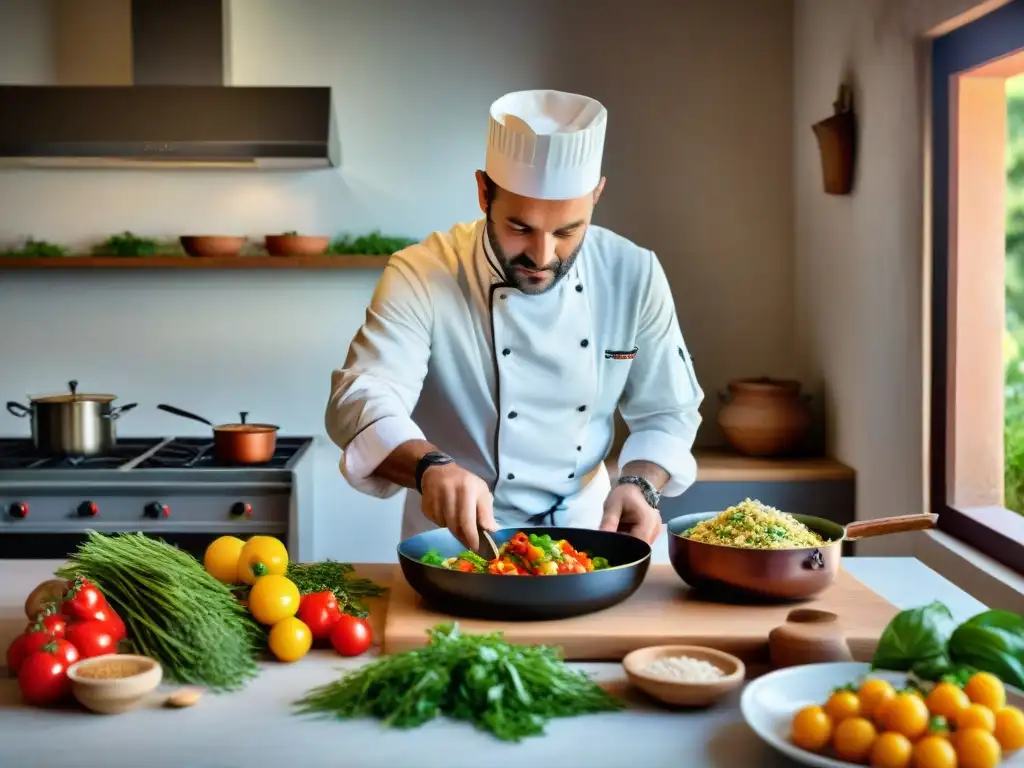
(745,574)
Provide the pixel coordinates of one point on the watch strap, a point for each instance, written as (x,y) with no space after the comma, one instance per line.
(428,460)
(651,494)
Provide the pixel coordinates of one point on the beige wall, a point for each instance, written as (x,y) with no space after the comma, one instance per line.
(699,168)
(860,266)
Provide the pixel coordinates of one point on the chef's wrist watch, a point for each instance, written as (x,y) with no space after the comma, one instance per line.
(428,460)
(651,494)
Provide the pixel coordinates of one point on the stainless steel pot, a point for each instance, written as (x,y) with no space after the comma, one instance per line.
(72,424)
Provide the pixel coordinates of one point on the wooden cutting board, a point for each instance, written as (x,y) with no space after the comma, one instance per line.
(662,611)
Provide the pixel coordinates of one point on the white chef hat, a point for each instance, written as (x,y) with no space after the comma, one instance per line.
(546,144)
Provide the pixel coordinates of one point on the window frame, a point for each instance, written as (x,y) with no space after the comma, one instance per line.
(994,531)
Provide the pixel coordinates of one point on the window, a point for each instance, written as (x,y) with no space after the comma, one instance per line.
(974,413)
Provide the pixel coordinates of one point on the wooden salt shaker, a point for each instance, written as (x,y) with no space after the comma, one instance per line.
(809,636)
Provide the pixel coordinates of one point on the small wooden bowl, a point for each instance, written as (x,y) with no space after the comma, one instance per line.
(114,695)
(296,245)
(678,692)
(212,246)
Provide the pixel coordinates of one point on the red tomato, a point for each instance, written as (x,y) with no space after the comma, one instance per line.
(92,638)
(108,617)
(24,646)
(43,676)
(63,650)
(83,600)
(319,611)
(54,624)
(351,636)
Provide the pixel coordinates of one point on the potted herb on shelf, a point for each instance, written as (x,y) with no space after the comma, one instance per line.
(36,249)
(373,244)
(126,244)
(294,244)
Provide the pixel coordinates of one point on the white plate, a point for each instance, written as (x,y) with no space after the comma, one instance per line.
(769,703)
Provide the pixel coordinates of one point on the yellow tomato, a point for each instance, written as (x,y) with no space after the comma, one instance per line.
(934,752)
(221,558)
(891,750)
(907,714)
(261,556)
(290,639)
(273,598)
(977,748)
(1010,729)
(976,716)
(811,729)
(946,700)
(841,705)
(854,738)
(872,693)
(987,689)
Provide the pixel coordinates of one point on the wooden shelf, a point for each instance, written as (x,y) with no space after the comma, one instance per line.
(720,466)
(188,262)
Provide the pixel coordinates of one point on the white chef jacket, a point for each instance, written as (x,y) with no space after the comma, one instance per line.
(520,389)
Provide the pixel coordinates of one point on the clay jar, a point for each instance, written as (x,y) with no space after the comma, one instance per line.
(764,417)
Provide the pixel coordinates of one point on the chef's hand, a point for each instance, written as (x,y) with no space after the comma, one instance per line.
(626,510)
(457,499)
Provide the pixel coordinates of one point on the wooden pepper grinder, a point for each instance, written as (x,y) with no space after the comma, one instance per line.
(809,636)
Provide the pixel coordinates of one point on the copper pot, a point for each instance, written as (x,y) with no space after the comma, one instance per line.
(740,573)
(240,443)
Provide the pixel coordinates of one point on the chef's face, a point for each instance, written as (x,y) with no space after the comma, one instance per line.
(536,241)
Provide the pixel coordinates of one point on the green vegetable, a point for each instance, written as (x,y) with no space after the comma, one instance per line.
(927,642)
(509,690)
(433,557)
(994,642)
(37,248)
(173,609)
(126,244)
(373,244)
(332,576)
(600,563)
(913,636)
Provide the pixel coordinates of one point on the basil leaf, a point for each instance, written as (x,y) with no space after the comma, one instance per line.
(933,668)
(912,636)
(992,641)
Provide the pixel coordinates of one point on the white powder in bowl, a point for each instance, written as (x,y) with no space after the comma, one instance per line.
(685,669)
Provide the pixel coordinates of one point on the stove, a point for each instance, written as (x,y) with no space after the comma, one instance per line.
(169,487)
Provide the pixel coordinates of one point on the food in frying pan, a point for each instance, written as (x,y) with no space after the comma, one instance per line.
(753,525)
(523,555)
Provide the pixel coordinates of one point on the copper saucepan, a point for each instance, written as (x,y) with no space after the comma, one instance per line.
(239,443)
(774,574)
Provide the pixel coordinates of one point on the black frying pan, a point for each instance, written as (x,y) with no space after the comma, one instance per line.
(527,598)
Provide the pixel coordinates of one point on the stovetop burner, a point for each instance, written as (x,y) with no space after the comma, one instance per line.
(141,453)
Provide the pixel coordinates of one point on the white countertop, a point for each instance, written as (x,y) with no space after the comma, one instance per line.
(254,728)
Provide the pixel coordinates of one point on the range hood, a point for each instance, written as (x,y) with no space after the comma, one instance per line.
(177,112)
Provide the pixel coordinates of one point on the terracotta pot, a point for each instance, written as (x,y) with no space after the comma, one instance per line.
(296,245)
(764,417)
(212,246)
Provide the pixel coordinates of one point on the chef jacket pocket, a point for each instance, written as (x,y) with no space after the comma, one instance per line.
(621,354)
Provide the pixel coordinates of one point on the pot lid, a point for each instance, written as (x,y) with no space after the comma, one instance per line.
(245,428)
(74,396)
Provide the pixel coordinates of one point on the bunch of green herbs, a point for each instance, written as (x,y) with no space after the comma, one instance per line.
(511,691)
(331,576)
(174,611)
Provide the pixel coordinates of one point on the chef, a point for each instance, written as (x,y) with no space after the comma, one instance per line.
(494,355)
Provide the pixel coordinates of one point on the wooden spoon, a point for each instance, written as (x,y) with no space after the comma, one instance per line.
(487,548)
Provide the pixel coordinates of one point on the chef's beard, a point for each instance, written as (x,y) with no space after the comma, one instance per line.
(559,268)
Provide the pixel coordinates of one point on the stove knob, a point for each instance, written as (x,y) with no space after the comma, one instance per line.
(241,509)
(88,509)
(156,510)
(18,509)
